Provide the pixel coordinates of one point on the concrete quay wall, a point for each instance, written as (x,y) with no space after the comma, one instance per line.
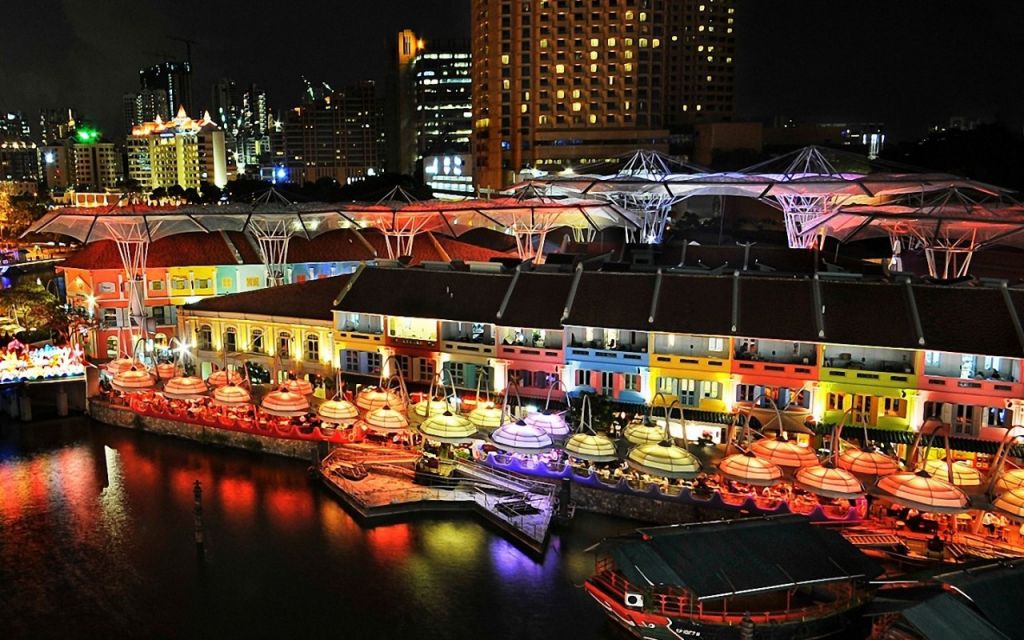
(608,502)
(126,418)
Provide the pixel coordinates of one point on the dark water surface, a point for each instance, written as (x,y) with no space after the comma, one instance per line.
(96,542)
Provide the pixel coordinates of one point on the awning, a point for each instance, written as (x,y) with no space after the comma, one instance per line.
(944,617)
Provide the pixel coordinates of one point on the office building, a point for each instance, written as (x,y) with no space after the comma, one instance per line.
(181,151)
(332,134)
(559,83)
(145,106)
(57,124)
(175,78)
(245,117)
(433,120)
(14,124)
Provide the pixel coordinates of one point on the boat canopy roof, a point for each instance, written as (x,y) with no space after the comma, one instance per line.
(738,557)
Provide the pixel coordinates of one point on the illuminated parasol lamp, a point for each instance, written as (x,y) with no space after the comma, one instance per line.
(588,445)
(285,403)
(448,428)
(231,395)
(133,379)
(185,388)
(826,479)
(664,459)
(385,420)
(921,490)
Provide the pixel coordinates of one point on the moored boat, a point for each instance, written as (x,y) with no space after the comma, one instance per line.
(759,578)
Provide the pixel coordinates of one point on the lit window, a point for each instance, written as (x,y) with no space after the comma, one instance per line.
(312,347)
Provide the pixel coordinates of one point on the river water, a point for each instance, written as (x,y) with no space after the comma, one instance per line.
(96,541)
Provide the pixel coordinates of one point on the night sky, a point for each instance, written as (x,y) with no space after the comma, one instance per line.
(908,63)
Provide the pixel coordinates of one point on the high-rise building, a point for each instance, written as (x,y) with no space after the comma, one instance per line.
(173,77)
(97,164)
(14,124)
(433,119)
(19,163)
(332,134)
(567,82)
(245,118)
(56,168)
(145,106)
(181,151)
(57,124)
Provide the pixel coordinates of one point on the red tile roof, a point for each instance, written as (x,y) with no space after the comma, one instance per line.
(312,300)
(187,249)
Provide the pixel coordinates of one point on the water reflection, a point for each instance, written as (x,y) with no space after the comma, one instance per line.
(96,541)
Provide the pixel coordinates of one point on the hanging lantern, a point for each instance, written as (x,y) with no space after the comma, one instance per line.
(223,377)
(869,464)
(963,475)
(231,396)
(371,398)
(134,379)
(448,428)
(831,482)
(166,370)
(591,447)
(1010,480)
(663,459)
(551,423)
(643,431)
(386,419)
(923,492)
(300,386)
(340,412)
(519,437)
(430,407)
(783,453)
(118,365)
(749,469)
(285,403)
(185,388)
(486,416)
(1011,503)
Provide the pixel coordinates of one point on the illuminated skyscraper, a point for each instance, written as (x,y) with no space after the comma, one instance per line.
(566,82)
(243,114)
(145,106)
(332,134)
(181,151)
(57,124)
(433,122)
(173,77)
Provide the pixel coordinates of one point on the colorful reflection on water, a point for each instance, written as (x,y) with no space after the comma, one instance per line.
(96,540)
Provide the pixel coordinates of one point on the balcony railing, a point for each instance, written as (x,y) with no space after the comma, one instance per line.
(527,352)
(767,368)
(691,362)
(361,336)
(485,347)
(985,386)
(607,355)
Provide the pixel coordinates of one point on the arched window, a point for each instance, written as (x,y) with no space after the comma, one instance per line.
(230,340)
(256,343)
(284,345)
(204,338)
(312,347)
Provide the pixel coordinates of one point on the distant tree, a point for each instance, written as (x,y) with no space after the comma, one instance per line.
(192,196)
(30,305)
(210,193)
(175,191)
(989,153)
(158,194)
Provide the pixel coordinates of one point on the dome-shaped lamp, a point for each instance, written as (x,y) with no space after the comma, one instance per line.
(448,428)
(486,416)
(231,395)
(964,476)
(867,464)
(385,420)
(166,370)
(118,365)
(519,437)
(223,377)
(923,492)
(552,423)
(749,469)
(1010,480)
(134,379)
(185,388)
(663,459)
(829,481)
(784,453)
(285,403)
(370,398)
(430,407)
(643,431)
(338,411)
(300,386)
(593,447)
(1011,503)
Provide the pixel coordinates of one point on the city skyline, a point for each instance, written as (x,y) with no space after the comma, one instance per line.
(935,67)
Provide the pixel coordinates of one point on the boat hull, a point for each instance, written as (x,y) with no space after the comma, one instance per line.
(842,623)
